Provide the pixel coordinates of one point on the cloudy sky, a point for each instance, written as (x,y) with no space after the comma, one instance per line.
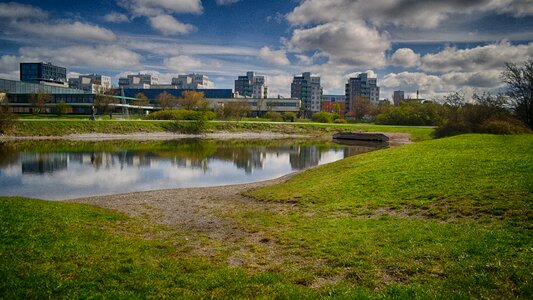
(434,46)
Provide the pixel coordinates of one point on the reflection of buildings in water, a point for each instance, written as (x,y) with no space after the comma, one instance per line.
(305,157)
(187,163)
(110,159)
(40,163)
(351,151)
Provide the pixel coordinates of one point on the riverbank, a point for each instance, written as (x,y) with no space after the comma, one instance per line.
(24,129)
(448,218)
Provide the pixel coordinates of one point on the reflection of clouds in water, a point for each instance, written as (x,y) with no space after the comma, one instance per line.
(101,173)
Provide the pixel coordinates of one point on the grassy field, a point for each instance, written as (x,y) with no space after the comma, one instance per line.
(448,218)
(59,127)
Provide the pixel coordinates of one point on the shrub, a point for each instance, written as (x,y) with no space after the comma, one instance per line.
(7,119)
(289,116)
(181,114)
(274,116)
(324,117)
(340,121)
(509,126)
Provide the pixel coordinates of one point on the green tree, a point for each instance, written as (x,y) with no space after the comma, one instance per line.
(6,117)
(62,108)
(519,80)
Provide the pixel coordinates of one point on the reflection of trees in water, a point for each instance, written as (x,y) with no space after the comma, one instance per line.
(8,155)
(40,163)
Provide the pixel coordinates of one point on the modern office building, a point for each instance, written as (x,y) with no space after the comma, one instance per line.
(92,83)
(361,87)
(45,73)
(138,81)
(251,86)
(398,97)
(307,88)
(260,106)
(192,81)
(334,104)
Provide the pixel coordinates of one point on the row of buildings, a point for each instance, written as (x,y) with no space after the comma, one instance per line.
(306,91)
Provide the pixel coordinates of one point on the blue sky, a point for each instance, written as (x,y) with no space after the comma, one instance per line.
(432,46)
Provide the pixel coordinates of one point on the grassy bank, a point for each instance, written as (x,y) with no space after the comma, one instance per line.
(449,218)
(59,127)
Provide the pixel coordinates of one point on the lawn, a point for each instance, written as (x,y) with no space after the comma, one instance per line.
(447,218)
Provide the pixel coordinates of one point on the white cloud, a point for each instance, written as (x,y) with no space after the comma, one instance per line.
(345,43)
(405,57)
(152,8)
(406,13)
(488,57)
(227,2)
(275,57)
(279,85)
(71,31)
(112,56)
(167,25)
(115,17)
(14,10)
(182,63)
(9,63)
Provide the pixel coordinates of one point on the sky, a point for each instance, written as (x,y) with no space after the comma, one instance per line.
(433,46)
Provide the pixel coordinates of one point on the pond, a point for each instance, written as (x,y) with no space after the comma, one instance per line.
(58,170)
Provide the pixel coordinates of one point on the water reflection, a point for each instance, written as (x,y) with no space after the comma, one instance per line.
(63,170)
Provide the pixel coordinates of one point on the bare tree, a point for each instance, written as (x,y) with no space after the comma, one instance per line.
(38,101)
(519,80)
(362,107)
(104,102)
(166,100)
(192,100)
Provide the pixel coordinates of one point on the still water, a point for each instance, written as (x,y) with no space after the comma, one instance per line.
(58,170)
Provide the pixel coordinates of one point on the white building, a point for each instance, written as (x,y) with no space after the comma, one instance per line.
(138,81)
(192,81)
(93,83)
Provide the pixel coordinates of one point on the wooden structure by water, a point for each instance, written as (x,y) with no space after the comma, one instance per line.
(361,136)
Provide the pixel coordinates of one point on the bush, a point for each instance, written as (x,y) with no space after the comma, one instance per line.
(7,119)
(503,127)
(273,116)
(340,121)
(181,114)
(324,117)
(289,116)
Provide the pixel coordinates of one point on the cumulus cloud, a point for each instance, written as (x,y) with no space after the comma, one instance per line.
(407,13)
(488,57)
(182,63)
(8,63)
(71,31)
(14,10)
(110,56)
(405,57)
(227,2)
(275,57)
(167,25)
(279,85)
(344,43)
(152,8)
(115,17)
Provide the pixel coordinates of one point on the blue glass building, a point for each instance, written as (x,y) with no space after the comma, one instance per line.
(36,72)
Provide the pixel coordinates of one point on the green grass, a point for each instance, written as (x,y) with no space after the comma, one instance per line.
(60,127)
(449,218)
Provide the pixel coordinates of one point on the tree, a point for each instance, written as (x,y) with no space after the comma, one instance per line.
(233,110)
(141,100)
(362,107)
(38,101)
(62,108)
(192,100)
(103,102)
(166,100)
(519,80)
(6,118)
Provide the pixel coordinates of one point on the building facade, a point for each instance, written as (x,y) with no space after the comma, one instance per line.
(251,86)
(92,83)
(334,104)
(398,97)
(361,87)
(192,81)
(308,89)
(42,72)
(138,81)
